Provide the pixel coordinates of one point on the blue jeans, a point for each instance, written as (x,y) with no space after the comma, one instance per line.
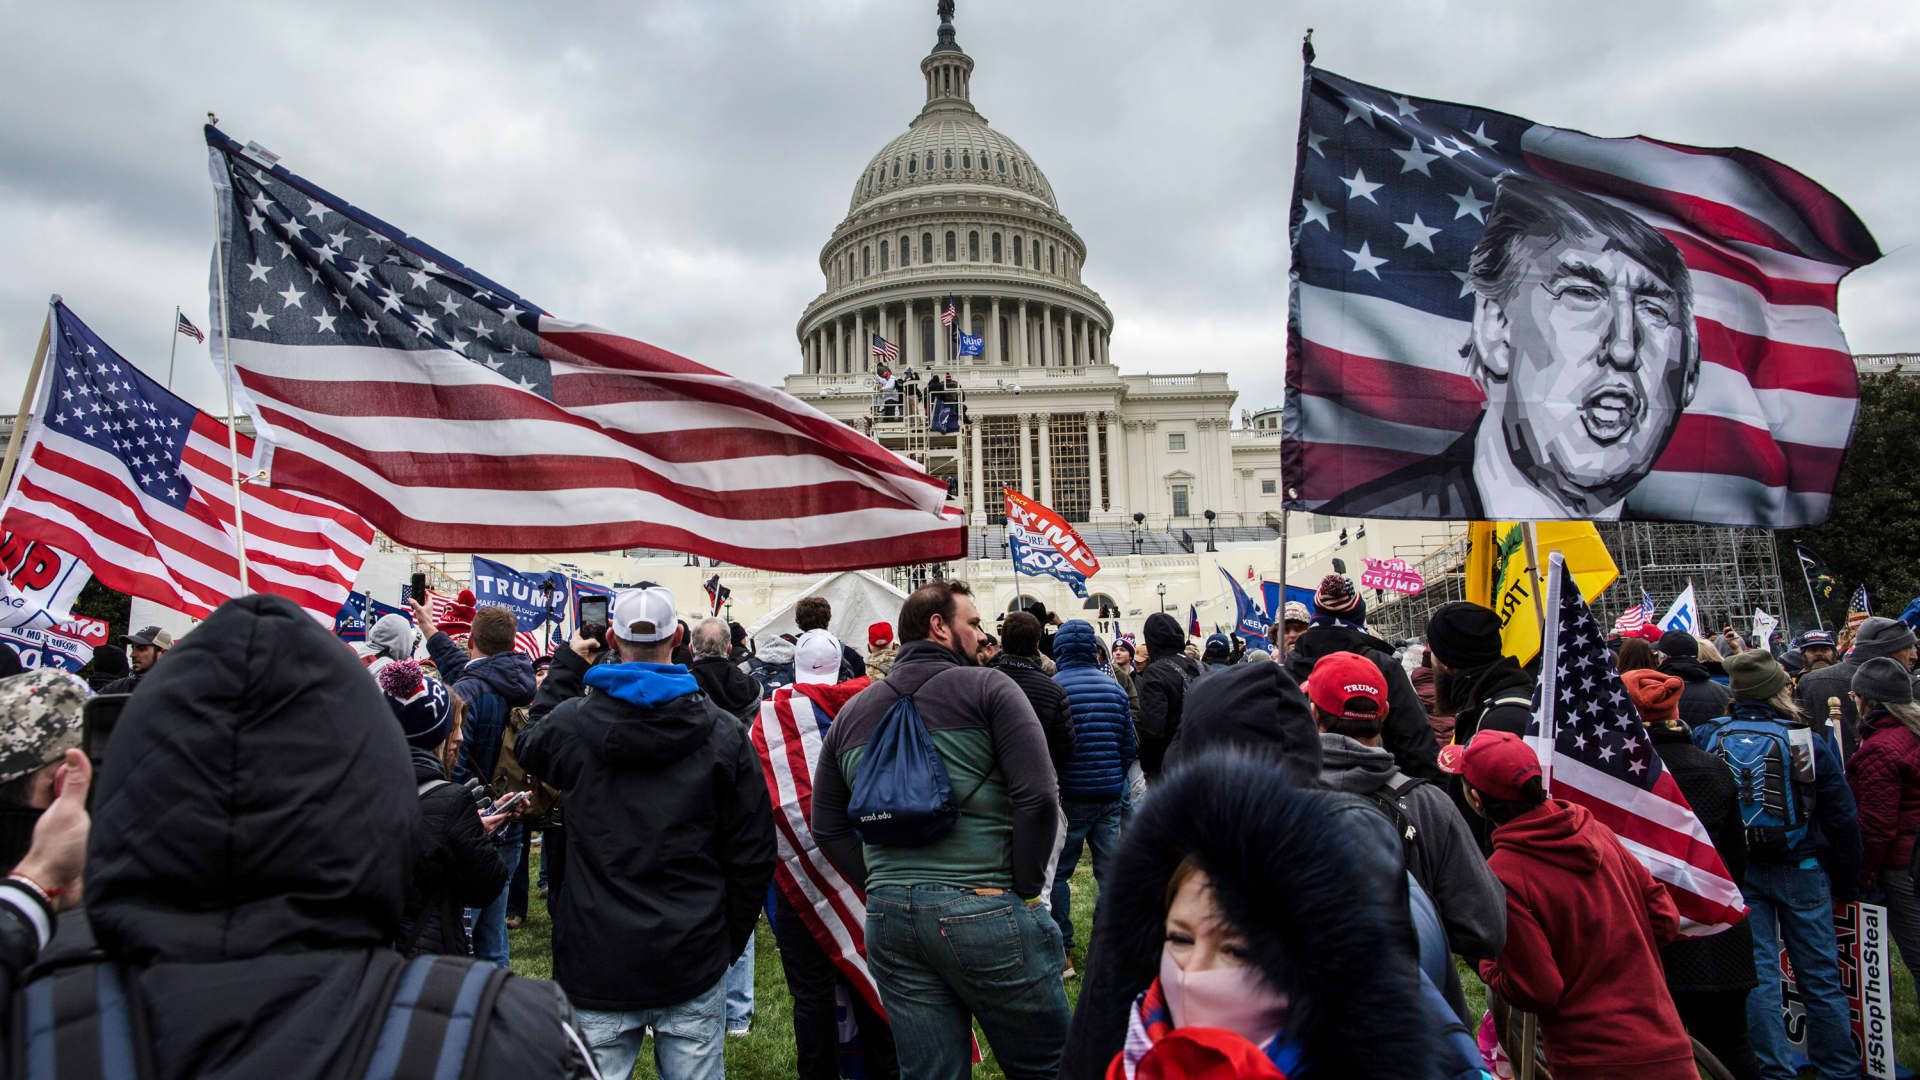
(1098,825)
(689,1039)
(942,954)
(739,984)
(1794,904)
(490,922)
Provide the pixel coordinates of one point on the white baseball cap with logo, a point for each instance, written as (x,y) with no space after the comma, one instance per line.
(816,658)
(644,616)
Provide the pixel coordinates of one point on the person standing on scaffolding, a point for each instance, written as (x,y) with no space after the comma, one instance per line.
(886,393)
(910,388)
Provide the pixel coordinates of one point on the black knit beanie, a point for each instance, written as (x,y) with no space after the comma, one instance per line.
(1464,635)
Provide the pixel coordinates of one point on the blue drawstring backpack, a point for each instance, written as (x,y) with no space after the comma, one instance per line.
(902,796)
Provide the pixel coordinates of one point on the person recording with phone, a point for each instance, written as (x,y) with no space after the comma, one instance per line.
(456,863)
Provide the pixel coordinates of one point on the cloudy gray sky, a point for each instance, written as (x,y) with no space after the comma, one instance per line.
(669,169)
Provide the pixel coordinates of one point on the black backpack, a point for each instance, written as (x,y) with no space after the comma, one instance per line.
(81,1019)
(1391,800)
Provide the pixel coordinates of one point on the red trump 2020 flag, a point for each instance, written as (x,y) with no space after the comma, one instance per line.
(1496,319)
(456,415)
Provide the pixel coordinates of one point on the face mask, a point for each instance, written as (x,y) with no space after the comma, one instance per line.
(1236,999)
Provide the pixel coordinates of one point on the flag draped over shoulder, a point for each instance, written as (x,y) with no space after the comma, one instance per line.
(138,484)
(787,735)
(1497,574)
(1636,257)
(1598,754)
(457,415)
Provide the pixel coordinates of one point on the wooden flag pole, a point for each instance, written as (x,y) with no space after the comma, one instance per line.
(19,432)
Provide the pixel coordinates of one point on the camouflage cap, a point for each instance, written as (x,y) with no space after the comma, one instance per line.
(39,719)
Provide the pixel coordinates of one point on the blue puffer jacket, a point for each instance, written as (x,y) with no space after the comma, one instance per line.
(1102,718)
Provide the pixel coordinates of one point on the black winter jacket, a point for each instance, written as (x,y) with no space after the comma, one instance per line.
(1162,685)
(1722,961)
(1498,696)
(1049,701)
(1322,906)
(669,834)
(727,685)
(1407,733)
(252,836)
(456,865)
(1702,699)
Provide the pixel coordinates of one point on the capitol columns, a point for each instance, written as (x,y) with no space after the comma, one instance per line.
(836,346)
(1020,335)
(1026,456)
(859,340)
(997,355)
(1116,462)
(1046,458)
(1049,356)
(1094,485)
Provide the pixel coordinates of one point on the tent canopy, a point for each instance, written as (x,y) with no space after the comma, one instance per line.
(859,600)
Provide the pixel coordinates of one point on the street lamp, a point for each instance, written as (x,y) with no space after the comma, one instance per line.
(1209,515)
(1162,590)
(1139,522)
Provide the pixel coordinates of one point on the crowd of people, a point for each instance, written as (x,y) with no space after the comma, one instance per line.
(296,858)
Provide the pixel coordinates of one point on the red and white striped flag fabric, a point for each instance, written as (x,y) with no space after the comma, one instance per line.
(458,416)
(787,736)
(1497,319)
(1635,619)
(137,484)
(1596,753)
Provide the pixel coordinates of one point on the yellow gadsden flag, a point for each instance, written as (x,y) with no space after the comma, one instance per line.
(1497,573)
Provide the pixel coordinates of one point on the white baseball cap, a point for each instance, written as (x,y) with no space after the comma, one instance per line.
(816,658)
(644,616)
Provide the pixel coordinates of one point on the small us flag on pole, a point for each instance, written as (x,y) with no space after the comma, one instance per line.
(1635,619)
(185,326)
(1597,754)
(883,348)
(948,316)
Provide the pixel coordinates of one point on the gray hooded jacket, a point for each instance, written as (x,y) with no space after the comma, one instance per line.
(1444,857)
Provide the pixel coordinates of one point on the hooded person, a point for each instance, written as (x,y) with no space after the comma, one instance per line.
(772,665)
(1340,626)
(1585,922)
(669,839)
(1704,699)
(1162,686)
(803,713)
(456,864)
(1246,935)
(1874,637)
(1349,699)
(390,638)
(251,844)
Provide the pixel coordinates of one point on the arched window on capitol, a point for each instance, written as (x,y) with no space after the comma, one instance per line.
(883,257)
(866,261)
(953,254)
(1019,258)
(906,250)
(996,247)
(949,159)
(973,246)
(926,247)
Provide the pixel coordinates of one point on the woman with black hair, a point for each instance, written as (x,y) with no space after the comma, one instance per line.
(1245,930)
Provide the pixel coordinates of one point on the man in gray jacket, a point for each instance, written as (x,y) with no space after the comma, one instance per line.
(1349,700)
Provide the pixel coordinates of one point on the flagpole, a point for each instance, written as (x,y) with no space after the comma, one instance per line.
(1533,578)
(226,352)
(1811,599)
(15,437)
(173,345)
(1280,647)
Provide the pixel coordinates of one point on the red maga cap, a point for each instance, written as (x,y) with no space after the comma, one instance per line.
(1343,680)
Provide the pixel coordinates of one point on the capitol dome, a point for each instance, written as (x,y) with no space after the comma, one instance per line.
(951,210)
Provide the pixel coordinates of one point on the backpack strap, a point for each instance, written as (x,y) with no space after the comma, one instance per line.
(435,1019)
(83,1023)
(432,786)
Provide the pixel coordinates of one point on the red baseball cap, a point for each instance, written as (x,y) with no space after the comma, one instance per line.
(1496,763)
(1343,684)
(879,634)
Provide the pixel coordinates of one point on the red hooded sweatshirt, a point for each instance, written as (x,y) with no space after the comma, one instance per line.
(1585,922)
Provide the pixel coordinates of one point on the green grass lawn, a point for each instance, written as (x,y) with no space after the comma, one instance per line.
(767,1053)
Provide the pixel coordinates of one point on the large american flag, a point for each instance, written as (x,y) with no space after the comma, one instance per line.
(787,735)
(1392,192)
(1602,759)
(457,415)
(138,484)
